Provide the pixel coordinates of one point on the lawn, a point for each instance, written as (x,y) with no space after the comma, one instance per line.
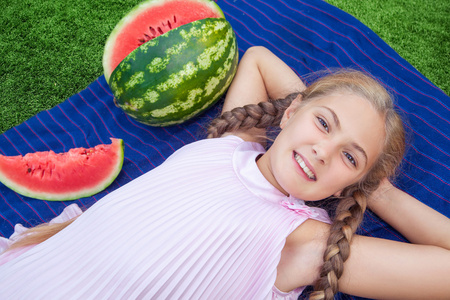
(50,50)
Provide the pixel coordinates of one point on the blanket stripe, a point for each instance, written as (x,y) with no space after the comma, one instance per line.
(309,36)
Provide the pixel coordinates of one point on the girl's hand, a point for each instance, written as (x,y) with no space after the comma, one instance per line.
(380,194)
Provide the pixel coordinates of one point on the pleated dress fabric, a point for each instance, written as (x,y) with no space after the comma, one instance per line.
(206,224)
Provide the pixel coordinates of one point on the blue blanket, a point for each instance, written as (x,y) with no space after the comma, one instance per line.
(309,36)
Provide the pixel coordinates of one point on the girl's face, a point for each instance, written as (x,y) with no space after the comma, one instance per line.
(324,146)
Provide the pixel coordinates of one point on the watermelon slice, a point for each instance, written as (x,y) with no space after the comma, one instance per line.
(78,173)
(150,19)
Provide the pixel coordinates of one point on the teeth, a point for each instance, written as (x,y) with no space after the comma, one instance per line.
(304,167)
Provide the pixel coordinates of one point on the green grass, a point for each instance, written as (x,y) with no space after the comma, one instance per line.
(418,30)
(50,50)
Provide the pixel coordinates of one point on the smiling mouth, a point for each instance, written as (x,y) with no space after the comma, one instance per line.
(304,167)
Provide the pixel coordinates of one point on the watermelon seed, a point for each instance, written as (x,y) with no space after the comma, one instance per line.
(29,170)
(154,33)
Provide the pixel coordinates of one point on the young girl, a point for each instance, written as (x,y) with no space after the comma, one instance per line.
(223,218)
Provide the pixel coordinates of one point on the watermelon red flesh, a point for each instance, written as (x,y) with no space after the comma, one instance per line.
(78,173)
(151,19)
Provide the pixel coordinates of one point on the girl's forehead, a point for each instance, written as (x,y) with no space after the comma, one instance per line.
(340,97)
(346,103)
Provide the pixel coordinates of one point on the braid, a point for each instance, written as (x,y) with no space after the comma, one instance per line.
(349,215)
(261,115)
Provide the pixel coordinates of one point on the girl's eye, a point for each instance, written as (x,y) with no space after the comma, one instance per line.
(350,158)
(323,123)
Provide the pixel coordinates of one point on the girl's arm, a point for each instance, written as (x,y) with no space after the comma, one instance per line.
(376,268)
(416,221)
(261,75)
(385,269)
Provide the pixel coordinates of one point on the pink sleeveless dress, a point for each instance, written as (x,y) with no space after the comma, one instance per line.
(205,224)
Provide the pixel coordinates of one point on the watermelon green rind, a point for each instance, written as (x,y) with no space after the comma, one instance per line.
(51,176)
(131,15)
(187,70)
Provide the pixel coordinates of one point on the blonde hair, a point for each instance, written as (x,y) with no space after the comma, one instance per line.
(353,201)
(38,234)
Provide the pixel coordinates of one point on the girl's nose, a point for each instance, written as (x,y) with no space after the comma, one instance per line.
(322,152)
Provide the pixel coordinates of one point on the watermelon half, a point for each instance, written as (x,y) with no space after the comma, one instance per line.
(150,19)
(78,173)
(169,60)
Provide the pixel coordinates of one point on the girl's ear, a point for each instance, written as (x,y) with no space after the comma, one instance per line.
(289,112)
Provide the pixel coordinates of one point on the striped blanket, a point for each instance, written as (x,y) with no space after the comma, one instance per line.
(309,36)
